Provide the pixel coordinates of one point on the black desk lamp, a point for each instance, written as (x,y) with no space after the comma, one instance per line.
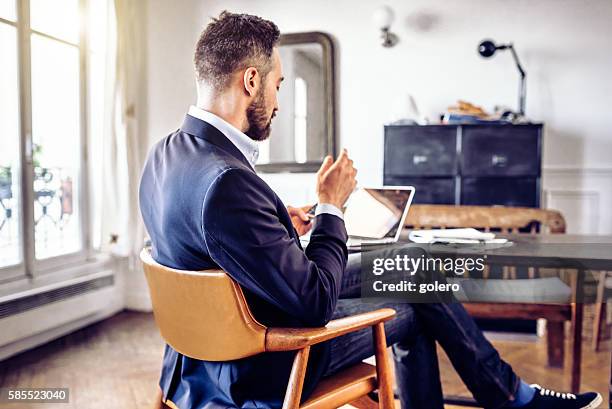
(487,48)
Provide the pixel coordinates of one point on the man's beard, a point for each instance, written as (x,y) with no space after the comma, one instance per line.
(259,123)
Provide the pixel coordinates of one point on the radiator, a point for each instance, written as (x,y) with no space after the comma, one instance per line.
(40,316)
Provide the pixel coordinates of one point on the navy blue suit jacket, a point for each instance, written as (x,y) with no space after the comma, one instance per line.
(204,207)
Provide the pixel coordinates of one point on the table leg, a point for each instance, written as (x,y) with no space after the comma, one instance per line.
(577,314)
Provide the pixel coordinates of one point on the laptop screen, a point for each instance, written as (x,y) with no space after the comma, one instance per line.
(377,213)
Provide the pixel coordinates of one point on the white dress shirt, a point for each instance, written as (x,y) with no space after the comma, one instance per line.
(249,148)
(246,146)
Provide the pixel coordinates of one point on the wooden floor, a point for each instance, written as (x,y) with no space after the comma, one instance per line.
(115,364)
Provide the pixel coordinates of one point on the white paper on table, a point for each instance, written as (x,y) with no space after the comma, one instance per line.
(365,216)
(468,235)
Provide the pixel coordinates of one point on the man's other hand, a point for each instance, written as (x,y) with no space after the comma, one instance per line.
(336,180)
(300,218)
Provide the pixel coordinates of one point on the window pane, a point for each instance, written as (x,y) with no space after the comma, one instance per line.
(58,18)
(56,146)
(98,19)
(8,10)
(10,242)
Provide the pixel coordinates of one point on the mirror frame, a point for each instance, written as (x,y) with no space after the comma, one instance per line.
(329,85)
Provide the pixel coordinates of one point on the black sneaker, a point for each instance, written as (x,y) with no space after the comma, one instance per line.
(549,399)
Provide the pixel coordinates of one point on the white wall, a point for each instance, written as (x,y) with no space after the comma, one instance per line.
(172,32)
(564,45)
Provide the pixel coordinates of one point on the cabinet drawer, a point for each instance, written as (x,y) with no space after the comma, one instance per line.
(500,151)
(500,191)
(427,190)
(420,150)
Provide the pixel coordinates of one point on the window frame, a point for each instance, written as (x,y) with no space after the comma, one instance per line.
(15,271)
(30,267)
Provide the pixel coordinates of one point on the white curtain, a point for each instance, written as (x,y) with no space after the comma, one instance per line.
(124,144)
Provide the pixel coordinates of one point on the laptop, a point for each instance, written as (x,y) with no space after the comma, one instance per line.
(375,215)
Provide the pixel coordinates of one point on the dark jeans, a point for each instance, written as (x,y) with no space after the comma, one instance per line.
(413,333)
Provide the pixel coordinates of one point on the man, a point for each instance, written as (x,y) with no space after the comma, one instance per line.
(205,207)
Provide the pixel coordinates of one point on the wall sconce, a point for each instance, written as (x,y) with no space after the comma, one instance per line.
(383,18)
(487,48)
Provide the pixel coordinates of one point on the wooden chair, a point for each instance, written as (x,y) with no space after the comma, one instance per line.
(514,220)
(204,315)
(603,288)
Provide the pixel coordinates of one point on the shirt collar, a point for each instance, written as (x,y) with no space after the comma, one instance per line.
(245,145)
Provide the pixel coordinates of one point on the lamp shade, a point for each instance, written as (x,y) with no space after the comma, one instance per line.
(487,48)
(383,17)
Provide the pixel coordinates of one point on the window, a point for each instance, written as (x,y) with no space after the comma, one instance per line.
(300,119)
(52,69)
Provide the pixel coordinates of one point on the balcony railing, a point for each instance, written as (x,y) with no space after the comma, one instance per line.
(9,227)
(53,211)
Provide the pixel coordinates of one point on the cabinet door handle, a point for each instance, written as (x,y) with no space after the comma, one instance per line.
(499,160)
(418,159)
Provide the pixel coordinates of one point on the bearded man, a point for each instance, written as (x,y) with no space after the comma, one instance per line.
(206,208)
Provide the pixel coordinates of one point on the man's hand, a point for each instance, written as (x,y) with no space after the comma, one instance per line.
(300,219)
(336,180)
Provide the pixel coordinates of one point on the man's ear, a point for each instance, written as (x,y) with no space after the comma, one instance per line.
(251,81)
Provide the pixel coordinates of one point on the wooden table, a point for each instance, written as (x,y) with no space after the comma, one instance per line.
(560,251)
(571,251)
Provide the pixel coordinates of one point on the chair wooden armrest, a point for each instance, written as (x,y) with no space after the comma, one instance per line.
(300,339)
(287,339)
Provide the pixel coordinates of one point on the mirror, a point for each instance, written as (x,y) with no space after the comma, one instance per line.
(303,131)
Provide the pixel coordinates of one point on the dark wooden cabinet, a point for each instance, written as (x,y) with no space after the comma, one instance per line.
(466,164)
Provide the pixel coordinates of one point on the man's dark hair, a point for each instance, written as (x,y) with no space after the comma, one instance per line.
(232,42)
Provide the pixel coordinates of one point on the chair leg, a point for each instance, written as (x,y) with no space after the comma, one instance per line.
(577,312)
(599,310)
(158,403)
(296,379)
(383,368)
(555,345)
